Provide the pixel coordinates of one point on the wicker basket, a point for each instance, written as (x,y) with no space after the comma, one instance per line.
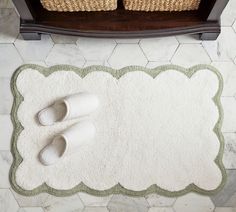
(79,5)
(161,5)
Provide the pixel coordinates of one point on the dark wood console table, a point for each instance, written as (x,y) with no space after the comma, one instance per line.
(120,23)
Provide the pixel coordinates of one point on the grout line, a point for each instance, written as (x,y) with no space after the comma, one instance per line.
(175,50)
(83,203)
(113,50)
(14,198)
(49,52)
(22,59)
(143,53)
(206,52)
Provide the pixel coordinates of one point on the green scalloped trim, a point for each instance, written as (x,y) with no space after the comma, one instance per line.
(117,189)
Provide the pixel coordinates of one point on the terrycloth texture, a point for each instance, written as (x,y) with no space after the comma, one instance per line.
(149,131)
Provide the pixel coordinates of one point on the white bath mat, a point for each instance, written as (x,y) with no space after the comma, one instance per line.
(157,131)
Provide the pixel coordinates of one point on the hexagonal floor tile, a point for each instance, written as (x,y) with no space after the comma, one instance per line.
(159,49)
(31,209)
(188,55)
(65,54)
(160,209)
(156,200)
(6,101)
(194,203)
(229,106)
(227,196)
(234,26)
(9,25)
(6,4)
(229,157)
(93,63)
(229,14)
(224,48)
(90,200)
(154,64)
(188,39)
(34,49)
(5,163)
(96,49)
(64,39)
(126,55)
(62,204)
(10,60)
(8,202)
(6,132)
(127,40)
(33,201)
(95,209)
(225,209)
(120,203)
(228,71)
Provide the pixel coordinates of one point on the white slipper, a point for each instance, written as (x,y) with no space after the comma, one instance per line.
(64,144)
(72,106)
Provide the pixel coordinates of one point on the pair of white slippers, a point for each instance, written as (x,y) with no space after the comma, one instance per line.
(73,106)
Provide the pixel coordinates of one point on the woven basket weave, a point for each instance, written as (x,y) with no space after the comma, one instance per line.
(161,5)
(79,5)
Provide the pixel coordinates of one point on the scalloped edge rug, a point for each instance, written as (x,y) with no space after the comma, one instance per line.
(28,177)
